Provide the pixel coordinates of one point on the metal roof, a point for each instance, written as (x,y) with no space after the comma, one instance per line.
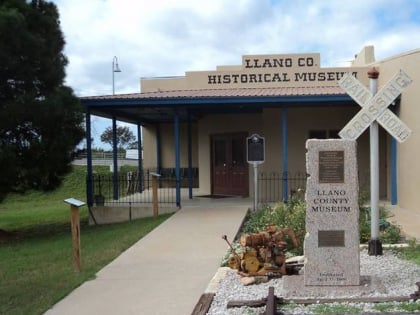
(161,106)
(280,91)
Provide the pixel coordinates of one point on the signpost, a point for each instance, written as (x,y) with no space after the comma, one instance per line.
(255,152)
(75,230)
(375,110)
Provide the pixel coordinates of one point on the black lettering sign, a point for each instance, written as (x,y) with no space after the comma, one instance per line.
(255,148)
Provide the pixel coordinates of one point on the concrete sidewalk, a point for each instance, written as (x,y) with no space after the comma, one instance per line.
(165,272)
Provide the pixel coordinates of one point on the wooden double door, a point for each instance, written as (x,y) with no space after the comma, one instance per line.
(229,165)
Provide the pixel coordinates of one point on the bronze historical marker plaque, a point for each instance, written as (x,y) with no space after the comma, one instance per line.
(331,167)
(255,148)
(331,238)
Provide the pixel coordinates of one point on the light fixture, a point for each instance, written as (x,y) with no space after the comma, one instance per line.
(115,68)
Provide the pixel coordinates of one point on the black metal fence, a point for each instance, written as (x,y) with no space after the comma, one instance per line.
(135,188)
(130,189)
(270,186)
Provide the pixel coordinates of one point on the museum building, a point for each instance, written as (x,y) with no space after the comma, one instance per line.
(197,125)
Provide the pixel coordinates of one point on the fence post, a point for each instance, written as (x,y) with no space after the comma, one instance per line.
(155,177)
(75,230)
(285,179)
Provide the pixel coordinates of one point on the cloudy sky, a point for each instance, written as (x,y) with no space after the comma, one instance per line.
(168,37)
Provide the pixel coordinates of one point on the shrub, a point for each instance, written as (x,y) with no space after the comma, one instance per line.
(291,215)
(389,233)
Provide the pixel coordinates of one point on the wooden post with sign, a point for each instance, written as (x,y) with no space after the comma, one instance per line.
(255,148)
(75,231)
(155,178)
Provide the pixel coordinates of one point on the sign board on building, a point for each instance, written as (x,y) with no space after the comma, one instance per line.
(255,146)
(271,71)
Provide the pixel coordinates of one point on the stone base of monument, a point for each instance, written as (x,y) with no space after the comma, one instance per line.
(331,245)
(375,247)
(294,287)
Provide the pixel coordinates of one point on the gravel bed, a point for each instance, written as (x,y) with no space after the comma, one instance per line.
(393,277)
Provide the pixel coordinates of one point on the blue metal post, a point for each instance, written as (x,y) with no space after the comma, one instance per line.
(394,182)
(158,150)
(177,161)
(140,157)
(284,153)
(190,181)
(89,182)
(115,158)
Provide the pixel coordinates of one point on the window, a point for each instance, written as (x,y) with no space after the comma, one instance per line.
(220,153)
(238,152)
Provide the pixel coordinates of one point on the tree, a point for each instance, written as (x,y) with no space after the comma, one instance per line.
(133,145)
(124,136)
(41,120)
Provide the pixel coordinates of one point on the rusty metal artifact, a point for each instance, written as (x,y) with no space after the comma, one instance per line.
(263,253)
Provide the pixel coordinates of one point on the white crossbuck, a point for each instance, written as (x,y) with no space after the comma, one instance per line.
(375,107)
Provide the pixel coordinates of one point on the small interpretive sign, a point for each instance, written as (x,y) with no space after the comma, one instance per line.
(255,149)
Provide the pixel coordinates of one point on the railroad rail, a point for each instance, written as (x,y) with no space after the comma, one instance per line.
(271,302)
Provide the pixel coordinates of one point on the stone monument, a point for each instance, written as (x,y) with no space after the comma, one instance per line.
(332,214)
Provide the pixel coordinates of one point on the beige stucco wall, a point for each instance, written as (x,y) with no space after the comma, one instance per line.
(261,71)
(408,168)
(168,146)
(149,146)
(300,121)
(165,84)
(267,124)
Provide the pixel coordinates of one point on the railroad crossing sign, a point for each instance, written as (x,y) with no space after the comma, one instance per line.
(375,107)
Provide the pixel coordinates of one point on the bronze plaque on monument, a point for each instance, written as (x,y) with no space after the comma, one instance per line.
(331,167)
(331,239)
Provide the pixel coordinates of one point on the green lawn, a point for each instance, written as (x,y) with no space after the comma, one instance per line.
(35,246)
